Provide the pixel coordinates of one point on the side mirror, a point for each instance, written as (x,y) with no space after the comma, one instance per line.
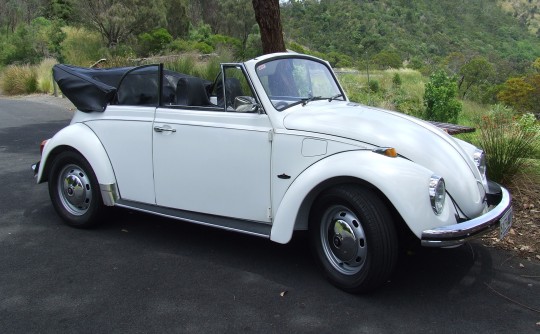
(246,104)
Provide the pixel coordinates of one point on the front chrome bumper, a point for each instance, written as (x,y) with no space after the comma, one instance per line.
(457,234)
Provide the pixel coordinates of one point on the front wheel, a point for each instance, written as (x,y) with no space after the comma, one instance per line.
(353,237)
(74,190)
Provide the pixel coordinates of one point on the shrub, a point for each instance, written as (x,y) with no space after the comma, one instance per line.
(181,45)
(154,42)
(19,79)
(508,142)
(396,80)
(374,86)
(440,98)
(204,48)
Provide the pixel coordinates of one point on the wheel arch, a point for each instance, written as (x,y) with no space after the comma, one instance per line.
(81,139)
(305,210)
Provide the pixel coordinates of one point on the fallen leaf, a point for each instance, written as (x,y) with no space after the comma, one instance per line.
(538,257)
(124,230)
(525,248)
(521,265)
(283,293)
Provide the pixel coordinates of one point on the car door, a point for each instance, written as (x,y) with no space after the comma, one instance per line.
(213,158)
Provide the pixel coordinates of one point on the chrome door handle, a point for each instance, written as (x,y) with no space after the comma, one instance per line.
(162,129)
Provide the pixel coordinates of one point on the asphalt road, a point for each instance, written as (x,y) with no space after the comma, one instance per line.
(142,274)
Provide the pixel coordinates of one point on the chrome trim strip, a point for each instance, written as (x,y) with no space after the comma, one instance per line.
(457,234)
(255,228)
(109,193)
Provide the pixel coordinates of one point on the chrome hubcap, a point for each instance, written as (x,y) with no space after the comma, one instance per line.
(343,240)
(74,190)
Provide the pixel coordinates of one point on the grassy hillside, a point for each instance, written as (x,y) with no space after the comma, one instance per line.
(416,30)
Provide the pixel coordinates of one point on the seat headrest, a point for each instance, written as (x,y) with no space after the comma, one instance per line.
(190,91)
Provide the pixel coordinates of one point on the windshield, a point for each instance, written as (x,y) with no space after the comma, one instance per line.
(293,81)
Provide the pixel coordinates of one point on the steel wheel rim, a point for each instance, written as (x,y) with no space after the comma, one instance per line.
(74,189)
(343,240)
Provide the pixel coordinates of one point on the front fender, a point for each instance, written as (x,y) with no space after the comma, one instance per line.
(404,183)
(82,139)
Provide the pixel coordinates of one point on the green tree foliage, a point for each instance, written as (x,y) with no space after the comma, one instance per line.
(536,65)
(119,20)
(440,98)
(155,41)
(59,10)
(32,42)
(478,71)
(523,93)
(387,59)
(515,93)
(177,18)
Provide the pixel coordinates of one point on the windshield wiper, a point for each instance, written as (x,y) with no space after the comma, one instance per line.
(309,99)
(334,97)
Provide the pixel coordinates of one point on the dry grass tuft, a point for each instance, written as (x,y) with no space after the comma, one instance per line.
(19,79)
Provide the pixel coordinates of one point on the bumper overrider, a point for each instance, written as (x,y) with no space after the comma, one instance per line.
(500,216)
(35,169)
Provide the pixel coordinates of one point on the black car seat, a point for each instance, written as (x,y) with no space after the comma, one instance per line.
(191,91)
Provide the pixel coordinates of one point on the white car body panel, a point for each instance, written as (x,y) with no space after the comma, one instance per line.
(377,170)
(294,152)
(440,153)
(81,138)
(215,163)
(126,132)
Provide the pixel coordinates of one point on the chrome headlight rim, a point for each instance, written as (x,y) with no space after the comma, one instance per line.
(480,160)
(437,193)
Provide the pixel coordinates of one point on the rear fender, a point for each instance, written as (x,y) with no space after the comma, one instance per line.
(81,138)
(404,184)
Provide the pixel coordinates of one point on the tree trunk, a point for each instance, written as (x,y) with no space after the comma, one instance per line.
(269,21)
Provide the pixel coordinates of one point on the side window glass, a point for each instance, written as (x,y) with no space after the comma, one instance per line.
(233,90)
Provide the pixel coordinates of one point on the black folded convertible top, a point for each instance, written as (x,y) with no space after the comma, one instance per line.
(83,90)
(92,89)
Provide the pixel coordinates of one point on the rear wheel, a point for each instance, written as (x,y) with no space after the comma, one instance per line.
(353,237)
(74,190)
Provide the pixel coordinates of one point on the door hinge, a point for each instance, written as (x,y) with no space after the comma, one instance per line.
(270,135)
(269,213)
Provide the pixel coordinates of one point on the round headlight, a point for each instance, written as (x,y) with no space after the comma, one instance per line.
(437,193)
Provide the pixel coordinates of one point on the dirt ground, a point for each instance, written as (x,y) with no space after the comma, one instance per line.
(523,238)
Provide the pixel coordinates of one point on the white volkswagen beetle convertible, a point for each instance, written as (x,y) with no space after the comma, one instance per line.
(271,147)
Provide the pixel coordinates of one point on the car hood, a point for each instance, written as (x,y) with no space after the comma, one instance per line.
(414,139)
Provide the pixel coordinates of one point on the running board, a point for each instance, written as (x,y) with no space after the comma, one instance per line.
(259,229)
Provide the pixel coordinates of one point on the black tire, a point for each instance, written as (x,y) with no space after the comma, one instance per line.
(74,190)
(353,237)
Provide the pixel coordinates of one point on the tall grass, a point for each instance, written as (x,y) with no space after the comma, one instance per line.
(19,79)
(394,89)
(190,64)
(81,47)
(44,75)
(509,143)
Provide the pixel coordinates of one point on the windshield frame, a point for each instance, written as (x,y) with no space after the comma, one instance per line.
(297,100)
